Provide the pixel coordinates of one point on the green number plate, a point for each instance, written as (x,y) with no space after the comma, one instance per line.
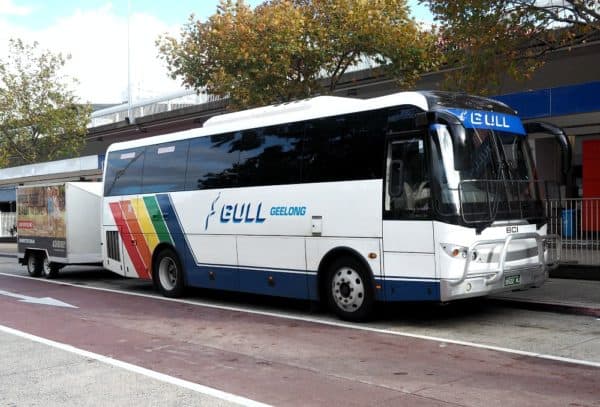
(512,280)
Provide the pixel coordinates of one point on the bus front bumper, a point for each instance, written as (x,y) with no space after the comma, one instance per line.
(503,277)
(477,286)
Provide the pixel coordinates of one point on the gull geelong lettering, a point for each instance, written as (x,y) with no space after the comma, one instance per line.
(242,213)
(288,211)
(237,213)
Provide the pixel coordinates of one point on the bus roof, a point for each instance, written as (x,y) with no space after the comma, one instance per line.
(320,106)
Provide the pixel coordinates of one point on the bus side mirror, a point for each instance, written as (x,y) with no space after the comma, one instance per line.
(460,147)
(561,138)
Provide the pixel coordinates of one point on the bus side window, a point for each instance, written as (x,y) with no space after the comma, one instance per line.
(407,191)
(343,148)
(213,161)
(271,156)
(164,167)
(124,172)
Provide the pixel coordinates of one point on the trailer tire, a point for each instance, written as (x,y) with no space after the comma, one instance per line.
(49,270)
(350,290)
(168,274)
(34,264)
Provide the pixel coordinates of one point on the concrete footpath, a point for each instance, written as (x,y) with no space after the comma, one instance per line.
(581,297)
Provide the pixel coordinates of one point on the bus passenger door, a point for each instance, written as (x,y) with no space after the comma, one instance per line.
(408,252)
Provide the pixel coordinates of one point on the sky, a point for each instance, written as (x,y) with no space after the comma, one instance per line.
(95,32)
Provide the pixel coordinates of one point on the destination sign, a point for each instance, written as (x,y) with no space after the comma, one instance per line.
(482,119)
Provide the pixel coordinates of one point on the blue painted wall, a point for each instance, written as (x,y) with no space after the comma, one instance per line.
(560,101)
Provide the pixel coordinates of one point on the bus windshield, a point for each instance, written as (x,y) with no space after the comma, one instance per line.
(482,175)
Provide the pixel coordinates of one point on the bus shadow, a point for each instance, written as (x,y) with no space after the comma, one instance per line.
(429,314)
(413,313)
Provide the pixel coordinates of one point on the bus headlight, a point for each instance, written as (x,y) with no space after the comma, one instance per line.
(455,251)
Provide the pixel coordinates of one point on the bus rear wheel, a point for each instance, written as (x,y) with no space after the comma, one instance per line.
(168,274)
(350,290)
(34,264)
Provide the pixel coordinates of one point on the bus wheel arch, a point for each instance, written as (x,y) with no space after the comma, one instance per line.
(354,266)
(167,271)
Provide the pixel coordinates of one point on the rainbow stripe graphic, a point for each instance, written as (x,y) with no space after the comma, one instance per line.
(142,227)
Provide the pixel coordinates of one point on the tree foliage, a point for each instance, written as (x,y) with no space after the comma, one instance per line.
(283,49)
(40,119)
(492,39)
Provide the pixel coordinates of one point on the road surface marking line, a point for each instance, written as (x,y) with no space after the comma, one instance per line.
(209,391)
(329,323)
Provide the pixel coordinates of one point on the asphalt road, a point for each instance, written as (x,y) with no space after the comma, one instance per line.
(217,347)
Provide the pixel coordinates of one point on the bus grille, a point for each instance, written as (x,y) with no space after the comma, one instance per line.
(112,245)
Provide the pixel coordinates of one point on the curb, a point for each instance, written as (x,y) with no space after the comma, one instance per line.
(549,306)
(8,255)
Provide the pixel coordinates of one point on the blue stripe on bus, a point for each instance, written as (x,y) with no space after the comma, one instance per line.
(170,218)
(408,290)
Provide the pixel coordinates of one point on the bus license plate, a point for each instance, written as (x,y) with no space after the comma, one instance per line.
(512,280)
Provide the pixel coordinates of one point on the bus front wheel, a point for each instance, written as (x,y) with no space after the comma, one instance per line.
(350,290)
(168,274)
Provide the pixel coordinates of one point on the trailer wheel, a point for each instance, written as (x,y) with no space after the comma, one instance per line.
(168,274)
(350,290)
(49,270)
(34,264)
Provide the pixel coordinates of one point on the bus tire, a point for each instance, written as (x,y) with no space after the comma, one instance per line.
(168,274)
(34,264)
(349,290)
(49,270)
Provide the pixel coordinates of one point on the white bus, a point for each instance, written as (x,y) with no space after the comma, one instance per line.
(415,196)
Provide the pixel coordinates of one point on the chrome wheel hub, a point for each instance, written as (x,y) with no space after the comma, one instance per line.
(348,289)
(167,273)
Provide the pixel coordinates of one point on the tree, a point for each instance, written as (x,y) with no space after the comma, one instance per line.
(287,49)
(40,119)
(489,40)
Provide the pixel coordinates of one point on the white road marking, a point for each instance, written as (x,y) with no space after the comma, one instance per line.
(209,391)
(35,300)
(330,323)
